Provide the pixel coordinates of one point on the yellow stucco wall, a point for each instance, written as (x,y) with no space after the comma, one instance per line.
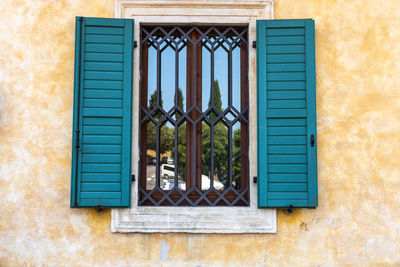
(358,97)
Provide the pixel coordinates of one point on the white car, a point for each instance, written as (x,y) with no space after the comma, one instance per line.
(168,173)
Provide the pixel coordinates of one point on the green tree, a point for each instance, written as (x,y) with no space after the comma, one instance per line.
(237,158)
(221,148)
(181,165)
(166,133)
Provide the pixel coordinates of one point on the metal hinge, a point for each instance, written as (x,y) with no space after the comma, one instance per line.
(99,208)
(133,178)
(77,146)
(255,179)
(254,44)
(134,44)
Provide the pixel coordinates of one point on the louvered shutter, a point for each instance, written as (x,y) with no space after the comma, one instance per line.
(287,146)
(101,152)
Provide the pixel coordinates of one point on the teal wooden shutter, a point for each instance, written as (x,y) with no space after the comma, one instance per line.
(287,145)
(101,151)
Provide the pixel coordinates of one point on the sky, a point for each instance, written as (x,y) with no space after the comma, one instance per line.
(168,75)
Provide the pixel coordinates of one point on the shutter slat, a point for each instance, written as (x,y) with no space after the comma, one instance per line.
(102,129)
(287,178)
(287,158)
(93,93)
(101,187)
(285,85)
(287,187)
(102,139)
(286,114)
(286,76)
(291,58)
(101,161)
(103,75)
(106,39)
(94,167)
(286,130)
(95,149)
(103,112)
(279,113)
(285,149)
(286,140)
(101,201)
(101,177)
(287,122)
(279,203)
(288,31)
(285,49)
(101,158)
(104,48)
(102,121)
(100,57)
(115,85)
(283,103)
(102,103)
(285,40)
(104,30)
(287,168)
(101,195)
(286,95)
(291,195)
(101,66)
(281,67)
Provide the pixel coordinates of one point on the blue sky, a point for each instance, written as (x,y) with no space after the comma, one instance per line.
(220,74)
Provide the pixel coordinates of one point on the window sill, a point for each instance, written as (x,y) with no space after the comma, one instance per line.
(193,220)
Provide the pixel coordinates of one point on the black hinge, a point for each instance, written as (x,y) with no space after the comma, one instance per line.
(312,140)
(133,177)
(290,209)
(81,19)
(77,146)
(254,44)
(255,179)
(99,208)
(134,44)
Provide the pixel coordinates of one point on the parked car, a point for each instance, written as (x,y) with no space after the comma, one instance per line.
(167,171)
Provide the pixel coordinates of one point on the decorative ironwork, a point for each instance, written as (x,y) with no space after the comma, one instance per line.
(194,116)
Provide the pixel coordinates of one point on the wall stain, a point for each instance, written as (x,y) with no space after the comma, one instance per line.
(164,250)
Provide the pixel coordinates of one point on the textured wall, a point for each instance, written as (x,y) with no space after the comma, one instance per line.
(358,221)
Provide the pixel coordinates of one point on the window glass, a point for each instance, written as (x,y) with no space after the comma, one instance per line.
(194,116)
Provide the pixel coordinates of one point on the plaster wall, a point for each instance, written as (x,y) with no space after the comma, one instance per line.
(358,106)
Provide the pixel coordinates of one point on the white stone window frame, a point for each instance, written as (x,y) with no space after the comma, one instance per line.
(195,219)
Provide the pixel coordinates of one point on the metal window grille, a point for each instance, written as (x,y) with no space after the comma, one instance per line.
(194,128)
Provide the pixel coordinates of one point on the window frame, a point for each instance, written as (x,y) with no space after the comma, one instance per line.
(196,219)
(231,196)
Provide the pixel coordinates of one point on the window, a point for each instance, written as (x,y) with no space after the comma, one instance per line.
(194,116)
(111,118)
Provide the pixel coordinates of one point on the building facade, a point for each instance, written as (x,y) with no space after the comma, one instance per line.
(357,221)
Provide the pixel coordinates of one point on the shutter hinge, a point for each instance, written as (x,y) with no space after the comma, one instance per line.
(254,44)
(134,44)
(290,209)
(81,19)
(99,208)
(133,178)
(77,146)
(255,179)
(312,140)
